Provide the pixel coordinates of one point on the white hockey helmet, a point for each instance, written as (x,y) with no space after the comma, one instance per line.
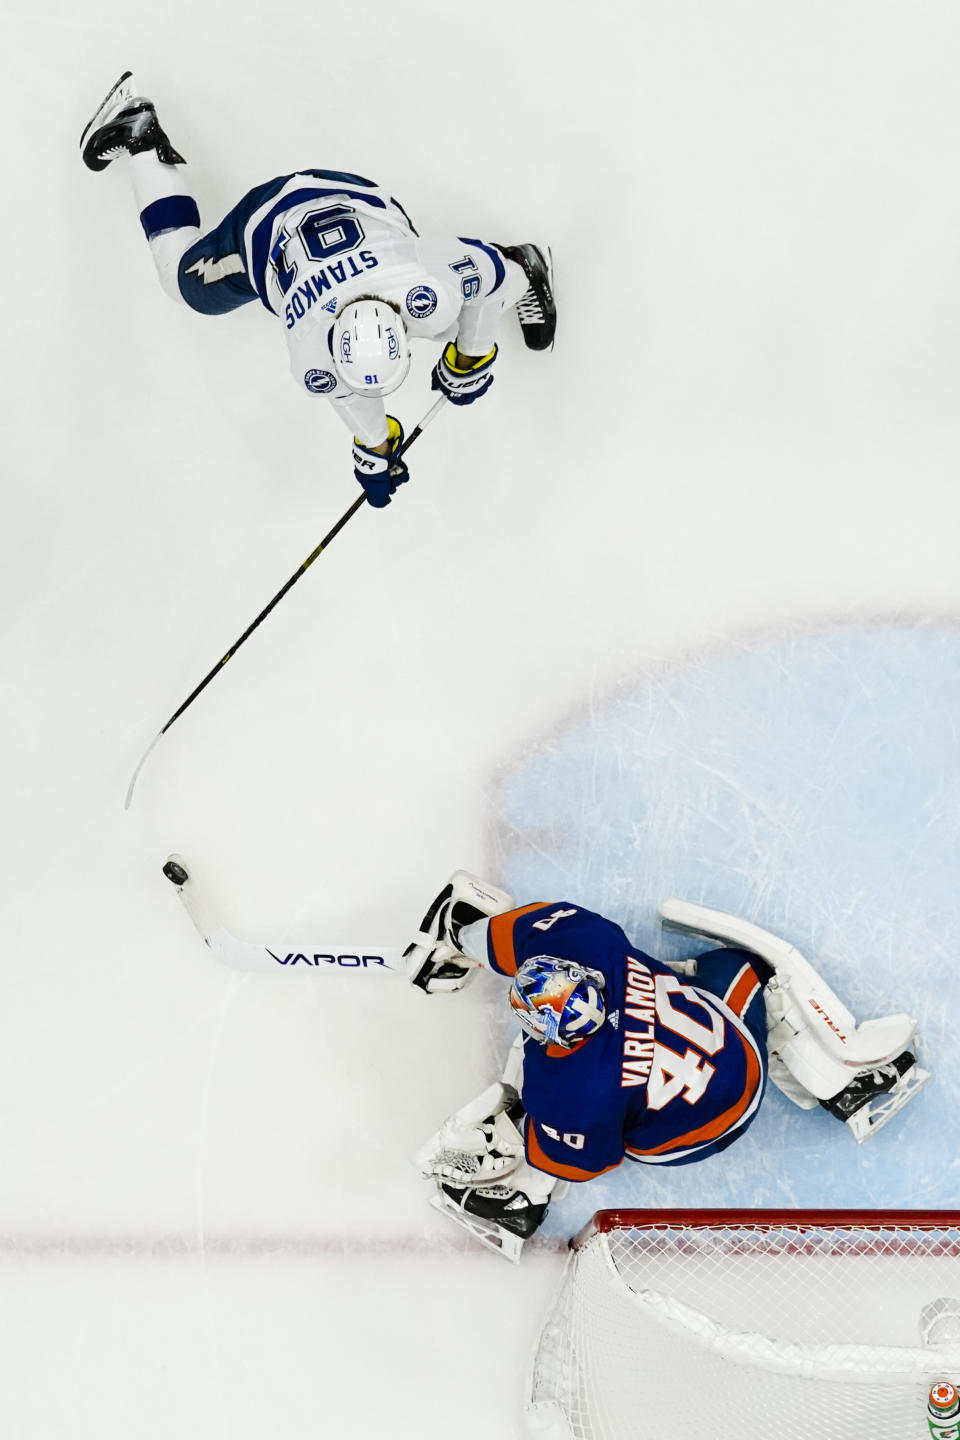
(370,349)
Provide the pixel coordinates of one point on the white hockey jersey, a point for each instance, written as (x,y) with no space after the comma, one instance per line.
(318,243)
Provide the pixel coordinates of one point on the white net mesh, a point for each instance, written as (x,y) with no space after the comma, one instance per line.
(805,1329)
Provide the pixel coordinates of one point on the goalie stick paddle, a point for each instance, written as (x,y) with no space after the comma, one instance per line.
(264,959)
(330,535)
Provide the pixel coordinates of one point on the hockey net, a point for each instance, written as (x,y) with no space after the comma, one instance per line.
(807,1325)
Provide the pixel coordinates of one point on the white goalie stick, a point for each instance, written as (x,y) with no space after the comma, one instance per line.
(264,958)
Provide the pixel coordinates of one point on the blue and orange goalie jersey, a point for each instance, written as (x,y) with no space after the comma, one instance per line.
(677,1070)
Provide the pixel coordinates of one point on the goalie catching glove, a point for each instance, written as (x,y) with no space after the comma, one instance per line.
(381,474)
(462,384)
(484,1183)
(477,1145)
(435,959)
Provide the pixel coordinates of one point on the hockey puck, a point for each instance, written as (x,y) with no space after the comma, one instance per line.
(175,872)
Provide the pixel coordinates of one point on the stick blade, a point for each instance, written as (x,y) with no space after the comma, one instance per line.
(136,774)
(268,959)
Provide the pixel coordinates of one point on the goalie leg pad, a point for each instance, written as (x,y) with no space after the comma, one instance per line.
(809,1030)
(788,1084)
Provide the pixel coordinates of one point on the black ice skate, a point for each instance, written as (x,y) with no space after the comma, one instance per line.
(875,1095)
(499,1215)
(124,124)
(537,309)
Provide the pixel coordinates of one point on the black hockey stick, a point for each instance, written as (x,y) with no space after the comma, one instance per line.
(330,535)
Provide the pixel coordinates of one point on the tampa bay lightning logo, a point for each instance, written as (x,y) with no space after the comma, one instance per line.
(421,301)
(320,382)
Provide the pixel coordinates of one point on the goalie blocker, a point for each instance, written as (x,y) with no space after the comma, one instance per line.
(435,961)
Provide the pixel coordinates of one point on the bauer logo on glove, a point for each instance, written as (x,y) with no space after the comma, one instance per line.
(461,379)
(381,474)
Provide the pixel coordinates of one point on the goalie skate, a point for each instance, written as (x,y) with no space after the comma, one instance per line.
(536,309)
(875,1096)
(500,1216)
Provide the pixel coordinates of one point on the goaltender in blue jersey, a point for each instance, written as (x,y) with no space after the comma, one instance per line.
(335,257)
(667,1071)
(621,1058)
(624,1057)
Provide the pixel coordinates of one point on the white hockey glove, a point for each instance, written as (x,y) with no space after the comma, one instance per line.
(435,962)
(477,1145)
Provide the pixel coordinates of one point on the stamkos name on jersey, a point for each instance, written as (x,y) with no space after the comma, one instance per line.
(638,1044)
(312,290)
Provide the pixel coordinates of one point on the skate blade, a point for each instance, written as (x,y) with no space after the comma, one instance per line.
(872,1117)
(487,1232)
(553,289)
(547,252)
(115,99)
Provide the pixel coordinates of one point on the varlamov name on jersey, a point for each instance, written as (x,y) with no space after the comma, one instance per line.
(317,287)
(676,1071)
(640,1005)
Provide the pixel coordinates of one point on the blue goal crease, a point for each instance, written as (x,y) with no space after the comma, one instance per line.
(811,784)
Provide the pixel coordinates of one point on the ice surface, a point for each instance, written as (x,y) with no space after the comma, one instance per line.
(810,784)
(749,427)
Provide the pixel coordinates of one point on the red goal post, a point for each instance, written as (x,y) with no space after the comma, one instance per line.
(881,1221)
(742,1323)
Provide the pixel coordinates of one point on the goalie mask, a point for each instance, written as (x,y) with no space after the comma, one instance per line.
(558,1002)
(370,350)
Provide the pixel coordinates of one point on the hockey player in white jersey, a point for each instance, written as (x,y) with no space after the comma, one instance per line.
(336,258)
